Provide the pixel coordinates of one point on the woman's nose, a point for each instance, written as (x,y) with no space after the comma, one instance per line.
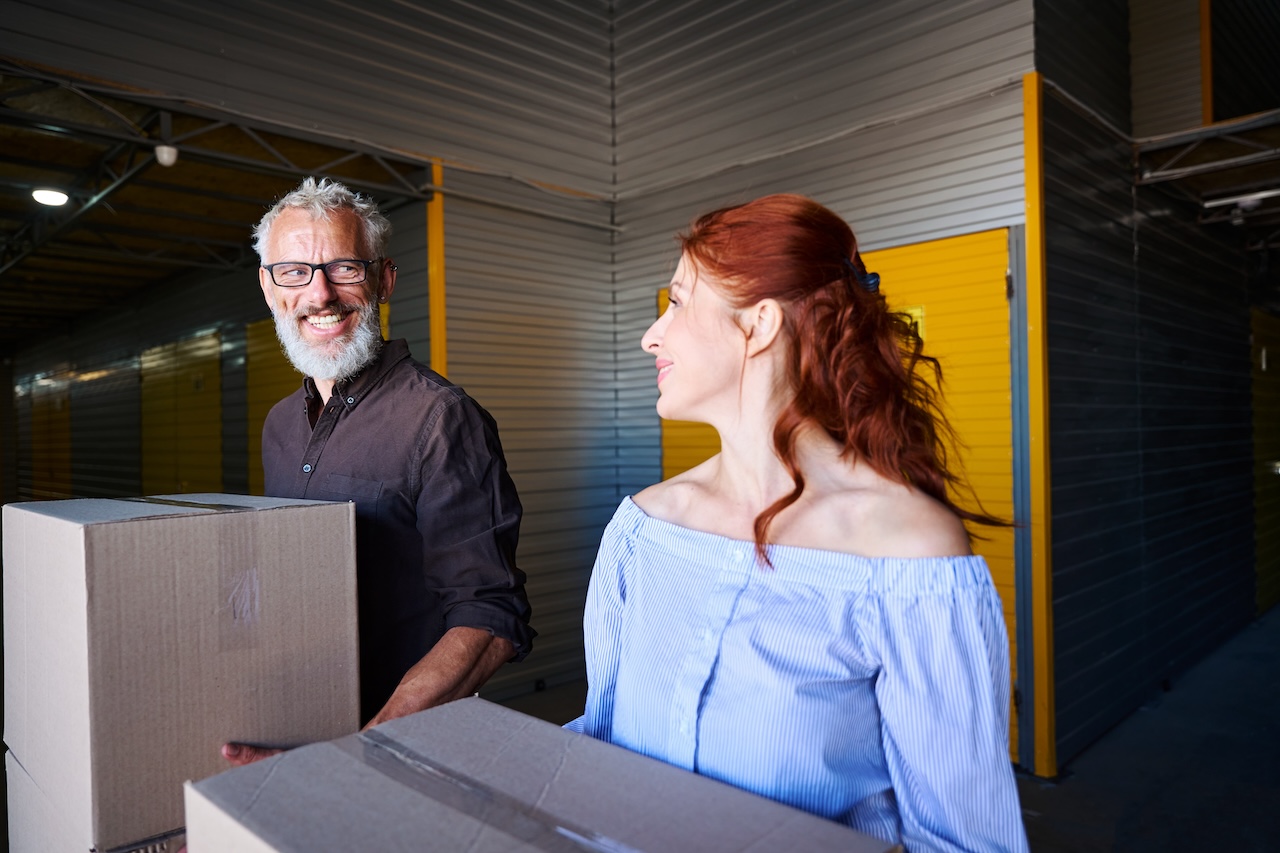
(652,338)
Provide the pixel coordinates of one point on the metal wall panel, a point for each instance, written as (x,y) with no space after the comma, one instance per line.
(702,85)
(530,324)
(1164,47)
(1150,452)
(408,248)
(520,89)
(1083,47)
(1246,59)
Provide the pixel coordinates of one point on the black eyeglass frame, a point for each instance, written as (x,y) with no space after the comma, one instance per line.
(270,268)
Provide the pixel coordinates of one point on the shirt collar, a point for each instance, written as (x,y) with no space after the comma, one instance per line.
(351,391)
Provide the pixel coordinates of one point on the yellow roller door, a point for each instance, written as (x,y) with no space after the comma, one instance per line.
(958,286)
(182,416)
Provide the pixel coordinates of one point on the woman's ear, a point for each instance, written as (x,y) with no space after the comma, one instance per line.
(763,322)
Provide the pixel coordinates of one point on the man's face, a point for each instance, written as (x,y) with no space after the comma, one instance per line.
(330,331)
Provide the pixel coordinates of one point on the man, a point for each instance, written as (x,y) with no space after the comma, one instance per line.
(441,603)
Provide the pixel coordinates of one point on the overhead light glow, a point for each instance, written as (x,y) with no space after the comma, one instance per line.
(166,155)
(53,198)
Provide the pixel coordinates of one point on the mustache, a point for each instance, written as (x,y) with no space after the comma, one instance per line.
(337,306)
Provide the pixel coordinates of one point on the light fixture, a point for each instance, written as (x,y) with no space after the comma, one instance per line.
(166,155)
(53,198)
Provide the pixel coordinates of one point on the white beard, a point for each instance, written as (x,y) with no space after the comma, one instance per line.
(352,356)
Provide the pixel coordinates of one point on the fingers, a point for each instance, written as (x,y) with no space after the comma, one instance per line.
(241,754)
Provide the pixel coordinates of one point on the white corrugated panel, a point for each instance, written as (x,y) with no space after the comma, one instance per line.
(529,308)
(1165,54)
(517,87)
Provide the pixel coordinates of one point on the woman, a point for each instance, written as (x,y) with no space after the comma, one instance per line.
(800,615)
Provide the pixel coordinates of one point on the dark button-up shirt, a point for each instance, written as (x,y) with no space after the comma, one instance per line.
(437,515)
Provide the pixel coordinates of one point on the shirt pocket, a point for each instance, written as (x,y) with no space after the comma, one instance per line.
(365,493)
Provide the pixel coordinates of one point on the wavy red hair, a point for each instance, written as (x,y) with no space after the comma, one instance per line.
(857,369)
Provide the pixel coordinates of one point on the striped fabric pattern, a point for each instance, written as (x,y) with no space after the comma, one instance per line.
(873,692)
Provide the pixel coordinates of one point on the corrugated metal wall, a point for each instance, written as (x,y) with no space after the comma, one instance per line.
(529,311)
(848,103)
(1164,48)
(522,88)
(1246,57)
(1149,397)
(1083,47)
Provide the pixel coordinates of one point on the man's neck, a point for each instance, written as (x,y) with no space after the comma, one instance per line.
(325,388)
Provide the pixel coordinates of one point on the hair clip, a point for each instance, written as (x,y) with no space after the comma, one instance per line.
(868,281)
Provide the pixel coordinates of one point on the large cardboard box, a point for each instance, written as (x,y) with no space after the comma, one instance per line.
(141,634)
(478,777)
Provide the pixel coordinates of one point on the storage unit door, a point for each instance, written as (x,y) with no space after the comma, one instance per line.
(957,290)
(182,416)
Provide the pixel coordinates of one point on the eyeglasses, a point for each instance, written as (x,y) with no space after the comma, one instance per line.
(299,274)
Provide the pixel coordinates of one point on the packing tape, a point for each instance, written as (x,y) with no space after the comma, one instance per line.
(189,504)
(474,798)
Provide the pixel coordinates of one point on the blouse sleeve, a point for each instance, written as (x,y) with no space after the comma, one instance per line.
(602,632)
(943,695)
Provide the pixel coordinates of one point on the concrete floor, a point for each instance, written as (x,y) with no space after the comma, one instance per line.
(1195,769)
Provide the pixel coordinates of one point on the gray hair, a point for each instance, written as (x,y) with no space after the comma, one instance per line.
(320,198)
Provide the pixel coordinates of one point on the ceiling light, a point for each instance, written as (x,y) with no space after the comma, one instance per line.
(166,155)
(53,198)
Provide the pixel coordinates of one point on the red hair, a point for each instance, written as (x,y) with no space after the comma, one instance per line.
(855,366)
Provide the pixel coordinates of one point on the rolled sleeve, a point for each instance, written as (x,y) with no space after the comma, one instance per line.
(468,516)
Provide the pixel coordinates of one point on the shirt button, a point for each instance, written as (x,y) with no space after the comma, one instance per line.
(306,469)
(350,400)
(737,556)
(684,728)
(706,635)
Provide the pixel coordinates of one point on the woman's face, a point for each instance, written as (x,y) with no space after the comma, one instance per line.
(700,349)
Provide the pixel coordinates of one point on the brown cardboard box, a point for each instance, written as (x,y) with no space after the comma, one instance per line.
(140,634)
(478,777)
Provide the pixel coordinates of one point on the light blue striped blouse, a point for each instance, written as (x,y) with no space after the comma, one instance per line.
(874,692)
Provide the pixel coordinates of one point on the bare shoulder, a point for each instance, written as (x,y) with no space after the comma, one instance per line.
(674,499)
(892,520)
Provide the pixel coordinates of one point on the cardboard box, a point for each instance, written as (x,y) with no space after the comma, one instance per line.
(141,634)
(478,777)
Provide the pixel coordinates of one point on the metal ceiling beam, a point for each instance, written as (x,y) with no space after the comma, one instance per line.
(39,230)
(419,190)
(1156,176)
(44,124)
(1214,131)
(90,253)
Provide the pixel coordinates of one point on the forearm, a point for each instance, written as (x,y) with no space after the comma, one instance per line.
(457,666)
